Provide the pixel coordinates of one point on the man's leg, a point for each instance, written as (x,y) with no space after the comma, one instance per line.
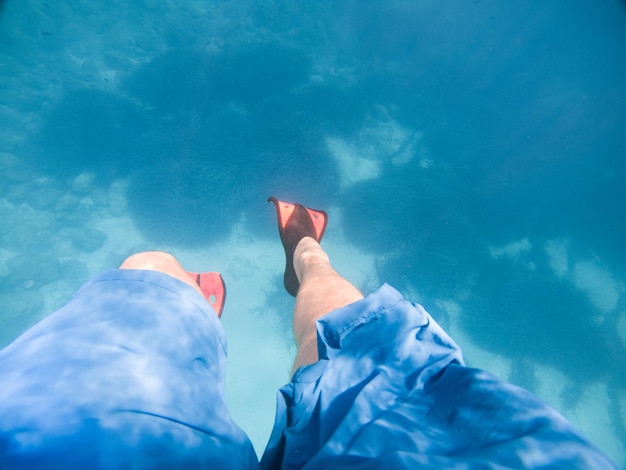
(321,291)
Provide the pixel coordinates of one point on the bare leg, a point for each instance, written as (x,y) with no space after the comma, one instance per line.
(162,262)
(321,291)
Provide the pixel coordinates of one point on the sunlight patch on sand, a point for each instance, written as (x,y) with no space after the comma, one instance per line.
(513,250)
(557,257)
(598,284)
(352,166)
(382,140)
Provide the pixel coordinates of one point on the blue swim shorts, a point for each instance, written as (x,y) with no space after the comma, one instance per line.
(390,391)
(128,374)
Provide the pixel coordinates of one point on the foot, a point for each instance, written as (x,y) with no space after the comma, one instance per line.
(296,222)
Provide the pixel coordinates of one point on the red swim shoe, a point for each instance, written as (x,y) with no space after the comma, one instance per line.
(294,223)
(213,289)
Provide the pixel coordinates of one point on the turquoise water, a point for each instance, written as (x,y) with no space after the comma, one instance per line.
(469,153)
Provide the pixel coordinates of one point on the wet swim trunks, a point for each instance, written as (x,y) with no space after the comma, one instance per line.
(128,374)
(390,391)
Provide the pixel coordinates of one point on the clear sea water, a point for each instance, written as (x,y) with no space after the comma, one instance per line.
(470,153)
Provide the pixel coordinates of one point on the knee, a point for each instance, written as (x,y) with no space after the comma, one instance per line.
(154,260)
(162,262)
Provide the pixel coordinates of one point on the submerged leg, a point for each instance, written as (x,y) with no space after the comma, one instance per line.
(321,291)
(309,276)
